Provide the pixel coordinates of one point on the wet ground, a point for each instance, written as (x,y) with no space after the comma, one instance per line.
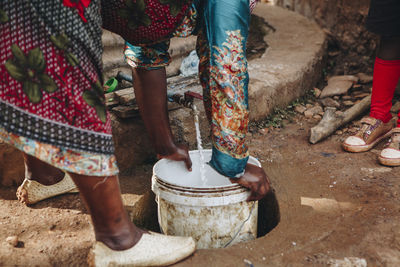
(336,208)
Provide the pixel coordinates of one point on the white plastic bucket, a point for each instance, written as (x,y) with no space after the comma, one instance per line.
(216,214)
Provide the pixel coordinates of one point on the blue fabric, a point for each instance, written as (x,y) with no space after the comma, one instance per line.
(226,164)
(222,29)
(222,18)
(150,57)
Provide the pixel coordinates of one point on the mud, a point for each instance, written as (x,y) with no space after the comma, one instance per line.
(334,207)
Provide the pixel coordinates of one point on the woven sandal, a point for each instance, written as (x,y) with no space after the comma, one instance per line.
(31,192)
(370,134)
(152,250)
(390,155)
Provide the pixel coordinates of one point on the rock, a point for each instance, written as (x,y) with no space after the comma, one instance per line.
(125,96)
(338,85)
(346,97)
(339,113)
(317,109)
(336,97)
(317,117)
(264,131)
(348,103)
(396,107)
(317,92)
(364,78)
(309,113)
(126,111)
(300,109)
(339,132)
(309,106)
(12,240)
(361,95)
(329,102)
(333,53)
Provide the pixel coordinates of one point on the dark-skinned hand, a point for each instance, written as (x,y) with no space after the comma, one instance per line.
(256,180)
(181,153)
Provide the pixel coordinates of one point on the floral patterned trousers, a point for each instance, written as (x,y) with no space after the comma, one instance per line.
(222,30)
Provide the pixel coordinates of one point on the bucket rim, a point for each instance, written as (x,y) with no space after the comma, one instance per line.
(218,188)
(188,189)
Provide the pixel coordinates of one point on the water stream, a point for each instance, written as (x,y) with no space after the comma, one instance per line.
(199,144)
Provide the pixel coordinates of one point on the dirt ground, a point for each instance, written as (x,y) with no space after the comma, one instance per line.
(333,206)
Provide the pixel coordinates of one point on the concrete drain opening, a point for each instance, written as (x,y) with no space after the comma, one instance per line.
(214,212)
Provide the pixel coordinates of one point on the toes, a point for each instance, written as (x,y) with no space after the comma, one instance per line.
(22,195)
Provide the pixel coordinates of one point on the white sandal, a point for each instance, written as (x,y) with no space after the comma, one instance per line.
(31,192)
(152,250)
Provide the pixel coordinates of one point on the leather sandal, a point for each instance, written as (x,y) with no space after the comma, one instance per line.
(371,133)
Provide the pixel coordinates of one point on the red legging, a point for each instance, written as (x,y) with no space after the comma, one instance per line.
(386,77)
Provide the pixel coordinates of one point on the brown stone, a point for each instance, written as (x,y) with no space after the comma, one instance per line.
(317,117)
(300,109)
(348,103)
(317,92)
(309,113)
(329,102)
(361,95)
(125,96)
(125,112)
(12,240)
(364,78)
(396,107)
(338,85)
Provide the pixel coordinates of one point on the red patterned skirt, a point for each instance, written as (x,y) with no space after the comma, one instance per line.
(51,95)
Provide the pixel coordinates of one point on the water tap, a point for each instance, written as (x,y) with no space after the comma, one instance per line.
(186,99)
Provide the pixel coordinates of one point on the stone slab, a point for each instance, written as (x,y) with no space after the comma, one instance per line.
(291,65)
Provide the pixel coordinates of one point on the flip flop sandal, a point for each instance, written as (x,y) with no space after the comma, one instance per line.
(390,155)
(371,133)
(152,250)
(31,192)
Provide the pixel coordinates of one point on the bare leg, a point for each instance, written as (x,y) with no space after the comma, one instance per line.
(41,172)
(151,96)
(102,198)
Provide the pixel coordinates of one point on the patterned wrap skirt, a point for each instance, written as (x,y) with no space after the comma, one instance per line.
(51,95)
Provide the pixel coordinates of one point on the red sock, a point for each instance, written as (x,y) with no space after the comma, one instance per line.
(386,77)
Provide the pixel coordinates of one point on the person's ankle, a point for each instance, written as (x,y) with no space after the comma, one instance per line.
(46,179)
(124,239)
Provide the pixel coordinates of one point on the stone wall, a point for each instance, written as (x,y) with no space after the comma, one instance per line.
(343,21)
